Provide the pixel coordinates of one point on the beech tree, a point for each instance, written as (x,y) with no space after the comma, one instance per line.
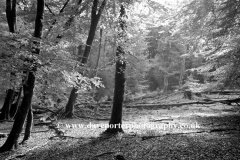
(28,86)
(116,115)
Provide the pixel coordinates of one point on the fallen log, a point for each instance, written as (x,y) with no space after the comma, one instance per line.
(168,106)
(230,101)
(227,92)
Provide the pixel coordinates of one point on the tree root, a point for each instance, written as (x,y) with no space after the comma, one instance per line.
(3,135)
(168,106)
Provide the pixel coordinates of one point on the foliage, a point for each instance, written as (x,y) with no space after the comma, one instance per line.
(159,36)
(212,26)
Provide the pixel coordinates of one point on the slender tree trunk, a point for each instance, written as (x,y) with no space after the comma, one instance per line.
(98,58)
(114,36)
(165,82)
(80,52)
(5,114)
(14,107)
(99,52)
(28,87)
(95,16)
(104,51)
(183,68)
(182,71)
(116,116)
(11,19)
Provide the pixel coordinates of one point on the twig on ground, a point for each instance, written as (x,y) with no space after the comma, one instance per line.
(64,137)
(103,154)
(156,120)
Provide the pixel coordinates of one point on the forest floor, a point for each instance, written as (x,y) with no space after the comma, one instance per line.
(209,131)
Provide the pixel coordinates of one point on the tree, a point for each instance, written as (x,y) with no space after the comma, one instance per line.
(95,17)
(11,19)
(116,116)
(28,86)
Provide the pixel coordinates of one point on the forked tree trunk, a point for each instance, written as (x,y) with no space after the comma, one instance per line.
(116,116)
(12,140)
(11,20)
(95,16)
(28,87)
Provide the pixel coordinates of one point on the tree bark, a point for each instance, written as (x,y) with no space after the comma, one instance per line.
(116,116)
(95,16)
(11,14)
(70,104)
(29,124)
(28,87)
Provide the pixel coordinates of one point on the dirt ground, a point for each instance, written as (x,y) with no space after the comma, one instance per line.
(186,132)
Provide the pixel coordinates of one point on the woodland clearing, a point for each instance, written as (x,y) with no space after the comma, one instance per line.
(217,137)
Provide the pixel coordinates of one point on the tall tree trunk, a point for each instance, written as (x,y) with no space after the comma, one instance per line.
(28,87)
(11,20)
(95,16)
(116,116)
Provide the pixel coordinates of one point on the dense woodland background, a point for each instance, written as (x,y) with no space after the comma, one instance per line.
(65,51)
